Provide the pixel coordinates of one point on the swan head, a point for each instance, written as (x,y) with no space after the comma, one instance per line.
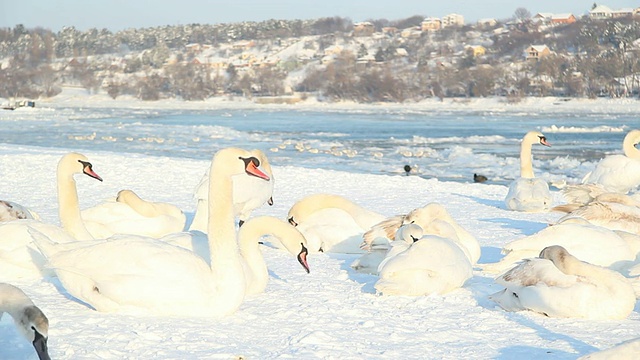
(409,233)
(249,164)
(76,163)
(536,137)
(302,257)
(34,325)
(558,255)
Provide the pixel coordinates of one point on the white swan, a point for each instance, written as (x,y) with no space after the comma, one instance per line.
(13,211)
(557,284)
(422,265)
(619,173)
(129,214)
(332,223)
(19,258)
(144,275)
(248,194)
(423,217)
(528,193)
(611,215)
(255,268)
(28,318)
(594,244)
(627,350)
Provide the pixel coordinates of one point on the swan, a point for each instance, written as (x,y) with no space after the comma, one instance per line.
(129,214)
(255,268)
(332,223)
(611,215)
(595,244)
(19,258)
(528,193)
(28,318)
(619,173)
(557,284)
(627,350)
(13,211)
(248,194)
(130,273)
(423,217)
(422,265)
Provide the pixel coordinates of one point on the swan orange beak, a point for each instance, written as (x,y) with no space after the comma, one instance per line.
(302,258)
(543,141)
(252,168)
(87,169)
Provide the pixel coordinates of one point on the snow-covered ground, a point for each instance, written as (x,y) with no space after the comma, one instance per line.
(331,313)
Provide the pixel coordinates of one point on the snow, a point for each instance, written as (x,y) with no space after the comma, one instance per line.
(331,313)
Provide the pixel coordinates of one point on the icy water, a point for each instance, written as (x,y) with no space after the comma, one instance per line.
(443,145)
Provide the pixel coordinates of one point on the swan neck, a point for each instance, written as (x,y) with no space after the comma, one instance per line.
(248,237)
(526,165)
(69,208)
(628,145)
(226,265)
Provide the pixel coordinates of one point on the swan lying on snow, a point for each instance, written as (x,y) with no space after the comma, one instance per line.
(248,194)
(28,318)
(11,211)
(422,265)
(619,173)
(129,214)
(255,268)
(383,232)
(627,350)
(557,284)
(148,276)
(591,243)
(528,193)
(19,258)
(331,223)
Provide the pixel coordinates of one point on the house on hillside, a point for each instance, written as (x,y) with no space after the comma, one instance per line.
(431,24)
(559,19)
(364,28)
(600,12)
(476,50)
(453,20)
(537,52)
(623,13)
(486,23)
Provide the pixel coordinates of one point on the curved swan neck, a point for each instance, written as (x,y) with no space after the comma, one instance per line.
(68,205)
(363,217)
(226,265)
(526,165)
(629,144)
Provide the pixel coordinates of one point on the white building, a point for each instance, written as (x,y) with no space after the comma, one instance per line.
(452,20)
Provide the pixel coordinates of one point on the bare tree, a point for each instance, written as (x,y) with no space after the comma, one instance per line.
(522,14)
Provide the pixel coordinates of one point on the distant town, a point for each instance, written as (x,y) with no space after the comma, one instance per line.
(594,54)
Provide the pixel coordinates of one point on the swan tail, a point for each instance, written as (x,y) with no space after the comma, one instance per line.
(566,208)
(385,229)
(46,246)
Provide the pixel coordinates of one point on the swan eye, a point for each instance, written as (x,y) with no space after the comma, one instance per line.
(292,222)
(414,238)
(412,222)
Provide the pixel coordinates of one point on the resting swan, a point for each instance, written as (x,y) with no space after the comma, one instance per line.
(627,350)
(19,258)
(557,284)
(528,193)
(423,217)
(248,194)
(422,265)
(332,223)
(255,268)
(595,244)
(619,173)
(11,211)
(28,318)
(144,275)
(130,214)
